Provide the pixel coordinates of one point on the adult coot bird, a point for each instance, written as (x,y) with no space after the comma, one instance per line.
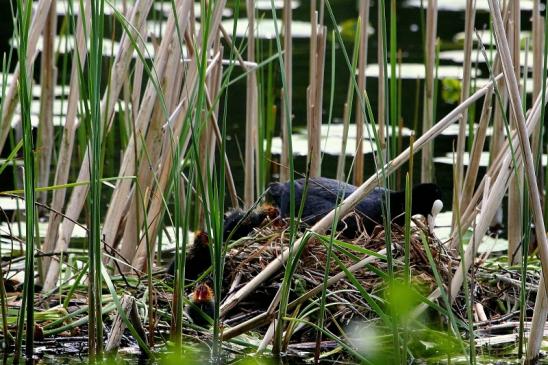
(323,194)
(201,302)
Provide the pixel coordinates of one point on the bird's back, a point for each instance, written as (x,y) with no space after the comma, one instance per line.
(322,194)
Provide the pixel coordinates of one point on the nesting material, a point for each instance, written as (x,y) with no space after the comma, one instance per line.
(251,255)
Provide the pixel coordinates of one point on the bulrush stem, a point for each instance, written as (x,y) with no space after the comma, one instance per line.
(458,188)
(251,112)
(360,117)
(287,91)
(428,109)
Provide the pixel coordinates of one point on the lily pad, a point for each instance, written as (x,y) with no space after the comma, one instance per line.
(265,28)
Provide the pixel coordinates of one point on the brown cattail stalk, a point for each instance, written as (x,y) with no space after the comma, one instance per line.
(67,140)
(287,93)
(251,112)
(428,109)
(47,83)
(360,117)
(515,191)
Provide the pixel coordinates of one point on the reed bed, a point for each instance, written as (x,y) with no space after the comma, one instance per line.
(144,154)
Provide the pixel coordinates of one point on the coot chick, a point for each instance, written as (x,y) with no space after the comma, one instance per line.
(201,302)
(198,258)
(239,223)
(323,195)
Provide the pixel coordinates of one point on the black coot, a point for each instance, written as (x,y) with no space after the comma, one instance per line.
(323,195)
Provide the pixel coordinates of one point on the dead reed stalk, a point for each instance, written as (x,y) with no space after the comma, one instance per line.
(515,190)
(287,92)
(314,94)
(458,188)
(48,80)
(360,118)
(67,139)
(428,109)
(252,109)
(41,13)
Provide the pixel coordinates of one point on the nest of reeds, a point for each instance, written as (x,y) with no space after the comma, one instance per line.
(250,255)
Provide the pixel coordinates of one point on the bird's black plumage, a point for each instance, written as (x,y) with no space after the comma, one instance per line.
(322,195)
(198,258)
(239,223)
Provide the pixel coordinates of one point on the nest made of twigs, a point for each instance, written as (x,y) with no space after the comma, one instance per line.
(252,254)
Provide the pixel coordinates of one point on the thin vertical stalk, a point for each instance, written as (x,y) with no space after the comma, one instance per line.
(284,290)
(477,149)
(95,336)
(537,43)
(318,109)
(287,91)
(8,338)
(408,205)
(48,77)
(468,296)
(523,288)
(470,15)
(327,272)
(360,117)
(394,119)
(46,139)
(251,112)
(26,312)
(382,79)
(541,302)
(515,190)
(428,106)
(348,107)
(314,96)
(67,139)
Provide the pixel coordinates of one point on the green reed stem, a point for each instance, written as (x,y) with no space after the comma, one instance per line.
(394,120)
(292,223)
(24,11)
(95,336)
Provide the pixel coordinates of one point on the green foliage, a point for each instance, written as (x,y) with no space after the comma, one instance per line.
(431,344)
(185,354)
(253,360)
(451,90)
(402,300)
